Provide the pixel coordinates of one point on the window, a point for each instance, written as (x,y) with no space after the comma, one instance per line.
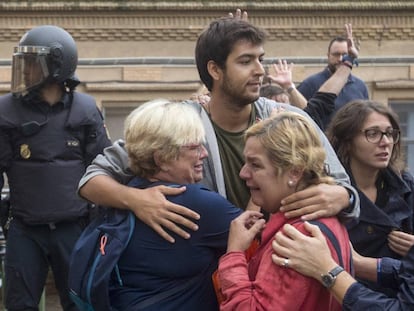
(114,120)
(405,111)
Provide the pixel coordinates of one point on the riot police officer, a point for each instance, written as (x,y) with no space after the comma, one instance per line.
(49,133)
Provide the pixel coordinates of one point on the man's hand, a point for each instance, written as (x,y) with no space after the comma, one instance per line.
(400,242)
(352,50)
(239,15)
(314,202)
(159,213)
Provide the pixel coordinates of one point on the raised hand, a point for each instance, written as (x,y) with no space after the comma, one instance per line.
(352,50)
(239,15)
(283,74)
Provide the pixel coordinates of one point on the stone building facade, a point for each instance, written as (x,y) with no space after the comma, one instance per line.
(134,51)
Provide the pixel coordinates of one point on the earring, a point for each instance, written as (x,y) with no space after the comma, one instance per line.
(164,168)
(291,183)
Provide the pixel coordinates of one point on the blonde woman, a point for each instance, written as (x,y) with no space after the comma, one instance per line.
(283,155)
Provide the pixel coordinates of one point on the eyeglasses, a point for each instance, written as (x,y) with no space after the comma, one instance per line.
(336,54)
(195,147)
(375,135)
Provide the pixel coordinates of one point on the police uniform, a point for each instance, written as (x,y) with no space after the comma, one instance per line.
(44,151)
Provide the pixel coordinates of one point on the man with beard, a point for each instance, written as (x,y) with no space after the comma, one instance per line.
(229,55)
(355,88)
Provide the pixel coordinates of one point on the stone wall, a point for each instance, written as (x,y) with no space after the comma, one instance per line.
(133,51)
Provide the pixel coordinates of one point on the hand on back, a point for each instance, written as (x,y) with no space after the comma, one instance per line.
(160,214)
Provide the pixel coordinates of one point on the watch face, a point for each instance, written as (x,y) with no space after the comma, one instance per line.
(328,280)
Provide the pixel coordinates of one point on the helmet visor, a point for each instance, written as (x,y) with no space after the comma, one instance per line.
(29,68)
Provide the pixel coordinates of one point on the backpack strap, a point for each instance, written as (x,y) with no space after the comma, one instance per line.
(325,229)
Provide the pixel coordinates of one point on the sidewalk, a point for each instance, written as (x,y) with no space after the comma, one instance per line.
(52,298)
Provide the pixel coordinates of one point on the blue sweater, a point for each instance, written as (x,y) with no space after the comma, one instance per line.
(354,88)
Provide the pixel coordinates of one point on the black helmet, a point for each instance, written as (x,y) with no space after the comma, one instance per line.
(45,53)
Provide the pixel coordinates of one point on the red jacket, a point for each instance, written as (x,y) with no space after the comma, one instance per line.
(259,284)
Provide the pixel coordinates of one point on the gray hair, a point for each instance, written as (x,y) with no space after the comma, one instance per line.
(160,126)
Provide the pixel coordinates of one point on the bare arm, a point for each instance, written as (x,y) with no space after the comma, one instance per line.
(337,81)
(296,98)
(365,267)
(283,76)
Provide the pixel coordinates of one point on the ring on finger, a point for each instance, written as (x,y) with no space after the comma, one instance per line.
(286,263)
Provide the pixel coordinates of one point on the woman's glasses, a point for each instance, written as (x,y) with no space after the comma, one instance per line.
(196,147)
(375,135)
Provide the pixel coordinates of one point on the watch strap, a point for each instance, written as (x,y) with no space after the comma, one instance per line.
(335,271)
(328,280)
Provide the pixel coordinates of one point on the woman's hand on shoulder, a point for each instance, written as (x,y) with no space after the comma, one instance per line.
(308,255)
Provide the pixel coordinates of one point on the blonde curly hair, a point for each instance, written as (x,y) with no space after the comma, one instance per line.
(292,142)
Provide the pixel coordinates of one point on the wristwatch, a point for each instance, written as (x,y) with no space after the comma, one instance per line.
(328,280)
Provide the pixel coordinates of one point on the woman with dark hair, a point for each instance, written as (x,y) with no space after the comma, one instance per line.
(366,137)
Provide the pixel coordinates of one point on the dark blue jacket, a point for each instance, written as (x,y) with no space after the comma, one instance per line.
(44,150)
(369,236)
(401,277)
(355,88)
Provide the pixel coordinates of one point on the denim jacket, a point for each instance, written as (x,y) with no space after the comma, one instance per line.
(359,297)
